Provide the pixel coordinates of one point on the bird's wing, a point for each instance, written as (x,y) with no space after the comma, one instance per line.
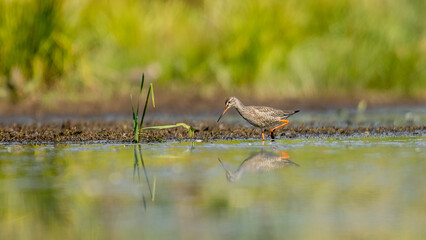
(270,111)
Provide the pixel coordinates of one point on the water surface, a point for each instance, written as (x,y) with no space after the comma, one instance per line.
(301,188)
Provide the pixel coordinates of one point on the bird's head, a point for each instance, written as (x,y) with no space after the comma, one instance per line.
(230,102)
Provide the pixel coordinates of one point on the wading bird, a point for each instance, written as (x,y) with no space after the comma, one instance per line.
(266,118)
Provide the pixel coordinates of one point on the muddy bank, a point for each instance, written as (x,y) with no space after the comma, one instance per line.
(77,131)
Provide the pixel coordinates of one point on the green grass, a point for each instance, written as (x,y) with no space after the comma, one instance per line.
(190,129)
(291,48)
(137,126)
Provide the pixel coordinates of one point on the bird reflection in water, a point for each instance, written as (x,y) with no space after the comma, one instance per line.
(262,161)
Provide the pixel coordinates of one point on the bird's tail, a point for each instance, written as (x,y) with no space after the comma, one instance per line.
(292,113)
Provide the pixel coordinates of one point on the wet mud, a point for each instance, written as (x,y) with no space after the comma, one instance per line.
(122,132)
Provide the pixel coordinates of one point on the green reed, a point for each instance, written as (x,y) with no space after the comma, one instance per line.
(137,126)
(190,129)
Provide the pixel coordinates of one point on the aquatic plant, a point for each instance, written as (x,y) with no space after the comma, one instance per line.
(137,127)
(190,129)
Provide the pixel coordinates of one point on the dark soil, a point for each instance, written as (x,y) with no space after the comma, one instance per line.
(79,131)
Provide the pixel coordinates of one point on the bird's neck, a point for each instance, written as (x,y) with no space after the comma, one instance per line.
(239,104)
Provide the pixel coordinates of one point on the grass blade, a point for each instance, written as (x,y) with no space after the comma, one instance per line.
(143,80)
(190,129)
(160,127)
(140,92)
(135,122)
(133,108)
(146,105)
(152,94)
(135,114)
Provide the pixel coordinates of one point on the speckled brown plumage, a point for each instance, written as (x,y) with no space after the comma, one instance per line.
(259,162)
(266,118)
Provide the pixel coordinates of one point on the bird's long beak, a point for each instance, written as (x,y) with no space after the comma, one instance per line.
(223,113)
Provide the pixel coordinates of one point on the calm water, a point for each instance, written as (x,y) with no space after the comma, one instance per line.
(363,188)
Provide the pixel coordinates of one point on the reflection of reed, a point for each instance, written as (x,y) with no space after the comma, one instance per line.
(136,169)
(260,162)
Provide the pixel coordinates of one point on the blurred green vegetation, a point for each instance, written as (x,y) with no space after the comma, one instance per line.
(294,48)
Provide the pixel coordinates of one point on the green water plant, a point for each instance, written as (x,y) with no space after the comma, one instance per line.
(190,129)
(137,126)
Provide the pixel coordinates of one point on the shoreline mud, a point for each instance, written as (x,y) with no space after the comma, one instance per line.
(121,132)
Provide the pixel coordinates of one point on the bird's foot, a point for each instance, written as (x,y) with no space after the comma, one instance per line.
(272,136)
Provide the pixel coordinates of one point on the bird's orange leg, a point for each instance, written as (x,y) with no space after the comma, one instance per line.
(263,136)
(282,125)
(284,155)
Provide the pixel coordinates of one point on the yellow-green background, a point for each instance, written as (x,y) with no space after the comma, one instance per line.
(294,48)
